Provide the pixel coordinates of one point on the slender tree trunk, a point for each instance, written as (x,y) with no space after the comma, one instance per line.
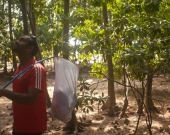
(30,16)
(66,30)
(32,20)
(148,98)
(126,90)
(11,37)
(5,51)
(24,15)
(111,92)
(5,62)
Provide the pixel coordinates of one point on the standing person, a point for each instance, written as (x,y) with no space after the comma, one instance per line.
(29,91)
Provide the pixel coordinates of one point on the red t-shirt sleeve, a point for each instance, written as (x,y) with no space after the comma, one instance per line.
(37,77)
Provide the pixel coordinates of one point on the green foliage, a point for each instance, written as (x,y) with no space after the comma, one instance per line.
(87,98)
(99,70)
(152,6)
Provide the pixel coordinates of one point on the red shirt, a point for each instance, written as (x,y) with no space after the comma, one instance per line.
(30,118)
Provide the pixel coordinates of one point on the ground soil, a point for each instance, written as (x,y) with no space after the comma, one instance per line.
(102,124)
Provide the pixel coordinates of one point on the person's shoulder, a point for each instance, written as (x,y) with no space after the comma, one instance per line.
(38,70)
(39,65)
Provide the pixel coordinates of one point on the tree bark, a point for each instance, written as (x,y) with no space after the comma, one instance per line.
(11,36)
(148,98)
(66,30)
(32,20)
(111,92)
(24,15)
(5,50)
(126,90)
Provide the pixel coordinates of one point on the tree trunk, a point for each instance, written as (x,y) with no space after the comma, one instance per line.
(4,55)
(66,30)
(148,98)
(11,37)
(32,20)
(126,90)
(24,15)
(111,92)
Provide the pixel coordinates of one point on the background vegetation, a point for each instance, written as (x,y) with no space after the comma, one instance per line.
(121,40)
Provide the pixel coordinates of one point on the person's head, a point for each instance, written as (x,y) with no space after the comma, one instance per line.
(26,45)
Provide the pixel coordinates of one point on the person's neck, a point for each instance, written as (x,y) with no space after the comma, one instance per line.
(24,59)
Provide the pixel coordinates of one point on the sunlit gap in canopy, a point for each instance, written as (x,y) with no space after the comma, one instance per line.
(94,58)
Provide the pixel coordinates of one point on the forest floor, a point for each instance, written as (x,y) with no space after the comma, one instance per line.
(102,124)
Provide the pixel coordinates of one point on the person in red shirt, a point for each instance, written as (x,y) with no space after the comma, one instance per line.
(29,91)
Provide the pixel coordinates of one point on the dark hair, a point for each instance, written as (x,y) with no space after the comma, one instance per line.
(33,42)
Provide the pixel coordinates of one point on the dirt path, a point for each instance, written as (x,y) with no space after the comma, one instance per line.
(104,125)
